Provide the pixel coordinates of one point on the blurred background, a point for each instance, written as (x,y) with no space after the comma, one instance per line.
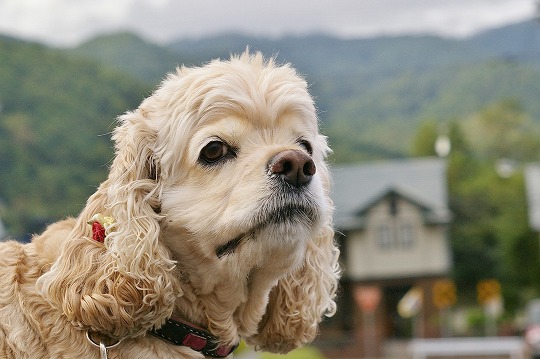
(431,107)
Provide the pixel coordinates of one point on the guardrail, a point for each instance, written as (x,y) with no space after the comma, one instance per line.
(512,347)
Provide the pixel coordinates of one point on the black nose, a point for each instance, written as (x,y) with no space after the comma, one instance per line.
(294,166)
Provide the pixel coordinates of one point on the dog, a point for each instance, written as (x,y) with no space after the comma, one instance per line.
(213,226)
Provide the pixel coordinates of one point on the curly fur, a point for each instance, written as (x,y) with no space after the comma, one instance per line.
(171,213)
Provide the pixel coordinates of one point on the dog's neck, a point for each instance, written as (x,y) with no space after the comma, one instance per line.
(227,295)
(212,309)
(229,305)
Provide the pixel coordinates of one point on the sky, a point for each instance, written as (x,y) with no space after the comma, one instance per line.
(70,22)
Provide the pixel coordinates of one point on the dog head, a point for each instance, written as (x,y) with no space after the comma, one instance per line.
(219,189)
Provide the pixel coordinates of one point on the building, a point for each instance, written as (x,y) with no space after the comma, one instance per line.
(3,232)
(532,186)
(391,219)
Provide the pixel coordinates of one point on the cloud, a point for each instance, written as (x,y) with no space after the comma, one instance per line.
(349,18)
(67,22)
(53,19)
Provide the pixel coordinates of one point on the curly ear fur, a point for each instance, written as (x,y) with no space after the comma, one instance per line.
(124,287)
(300,300)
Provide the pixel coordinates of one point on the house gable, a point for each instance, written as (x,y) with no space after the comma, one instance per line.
(396,244)
(422,181)
(394,216)
(395,195)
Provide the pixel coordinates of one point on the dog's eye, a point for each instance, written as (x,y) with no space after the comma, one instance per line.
(214,151)
(307,146)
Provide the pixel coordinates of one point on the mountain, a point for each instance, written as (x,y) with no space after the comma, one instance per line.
(127,52)
(316,56)
(373,90)
(518,42)
(55,115)
(58,105)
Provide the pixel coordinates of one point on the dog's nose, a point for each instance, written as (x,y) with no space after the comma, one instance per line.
(294,166)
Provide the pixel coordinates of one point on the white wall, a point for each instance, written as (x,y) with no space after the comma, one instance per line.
(370,258)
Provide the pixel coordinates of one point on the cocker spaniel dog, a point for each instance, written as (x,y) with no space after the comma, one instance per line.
(214,225)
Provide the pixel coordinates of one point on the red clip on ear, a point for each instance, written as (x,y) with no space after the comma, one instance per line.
(98,232)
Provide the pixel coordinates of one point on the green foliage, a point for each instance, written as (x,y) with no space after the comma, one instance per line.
(301,353)
(55,115)
(370,92)
(490,230)
(129,53)
(423,143)
(504,130)
(476,319)
(490,235)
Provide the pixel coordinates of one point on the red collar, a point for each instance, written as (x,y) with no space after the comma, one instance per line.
(179,332)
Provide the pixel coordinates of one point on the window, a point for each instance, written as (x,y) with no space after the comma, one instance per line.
(395,236)
(384,236)
(405,235)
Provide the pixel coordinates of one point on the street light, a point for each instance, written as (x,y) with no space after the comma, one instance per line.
(442,146)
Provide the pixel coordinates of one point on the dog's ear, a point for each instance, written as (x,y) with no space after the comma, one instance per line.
(300,300)
(124,286)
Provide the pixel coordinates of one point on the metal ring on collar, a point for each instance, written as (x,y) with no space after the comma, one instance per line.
(98,345)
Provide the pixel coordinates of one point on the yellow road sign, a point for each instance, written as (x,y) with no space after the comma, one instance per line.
(487,290)
(444,293)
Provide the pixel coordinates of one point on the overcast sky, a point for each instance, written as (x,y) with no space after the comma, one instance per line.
(69,22)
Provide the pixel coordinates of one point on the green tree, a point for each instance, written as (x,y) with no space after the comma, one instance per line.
(489,233)
(504,130)
(423,143)
(55,114)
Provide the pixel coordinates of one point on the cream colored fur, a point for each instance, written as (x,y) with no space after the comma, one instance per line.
(171,214)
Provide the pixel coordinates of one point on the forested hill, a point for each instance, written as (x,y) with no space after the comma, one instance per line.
(58,105)
(55,115)
(371,93)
